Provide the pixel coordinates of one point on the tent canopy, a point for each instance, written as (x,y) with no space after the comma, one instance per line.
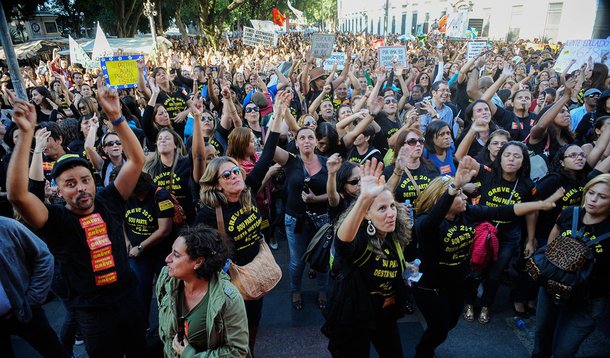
(34,49)
(130,46)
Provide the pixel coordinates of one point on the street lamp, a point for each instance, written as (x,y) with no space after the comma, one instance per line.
(82,24)
(150,12)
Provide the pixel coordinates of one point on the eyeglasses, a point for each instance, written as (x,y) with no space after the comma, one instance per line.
(353,181)
(112,142)
(390,100)
(226,175)
(207,118)
(575,155)
(251,109)
(413,141)
(82,108)
(594,95)
(309,123)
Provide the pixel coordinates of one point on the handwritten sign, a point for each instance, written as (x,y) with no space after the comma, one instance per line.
(322,45)
(121,71)
(338,57)
(475,48)
(253,37)
(581,50)
(390,55)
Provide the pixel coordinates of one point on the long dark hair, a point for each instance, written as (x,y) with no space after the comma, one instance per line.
(484,156)
(343,174)
(553,130)
(431,132)
(556,166)
(329,131)
(523,172)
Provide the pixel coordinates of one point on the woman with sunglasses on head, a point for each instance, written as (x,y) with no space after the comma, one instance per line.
(561,328)
(408,166)
(172,169)
(227,191)
(445,228)
(368,298)
(109,145)
(385,112)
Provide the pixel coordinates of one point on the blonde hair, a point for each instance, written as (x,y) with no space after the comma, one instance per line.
(600,179)
(210,194)
(432,193)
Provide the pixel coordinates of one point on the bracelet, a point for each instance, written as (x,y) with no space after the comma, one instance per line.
(118,121)
(398,172)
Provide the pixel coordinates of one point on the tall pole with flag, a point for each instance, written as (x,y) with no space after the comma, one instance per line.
(278,18)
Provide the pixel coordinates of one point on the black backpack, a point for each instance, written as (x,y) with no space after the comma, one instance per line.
(564,266)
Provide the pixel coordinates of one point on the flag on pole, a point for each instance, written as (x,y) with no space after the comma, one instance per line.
(297,13)
(101,47)
(278,18)
(78,55)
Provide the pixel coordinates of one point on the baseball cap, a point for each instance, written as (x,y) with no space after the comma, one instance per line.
(591,91)
(68,161)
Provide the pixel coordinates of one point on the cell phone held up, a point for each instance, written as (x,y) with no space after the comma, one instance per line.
(420,110)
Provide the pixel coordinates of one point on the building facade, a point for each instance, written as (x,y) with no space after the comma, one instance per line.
(554,20)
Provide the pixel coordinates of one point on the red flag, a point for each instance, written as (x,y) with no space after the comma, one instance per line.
(278,18)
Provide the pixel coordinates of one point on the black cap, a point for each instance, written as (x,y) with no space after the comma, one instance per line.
(68,161)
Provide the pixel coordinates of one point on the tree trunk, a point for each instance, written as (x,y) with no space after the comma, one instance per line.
(159,19)
(180,23)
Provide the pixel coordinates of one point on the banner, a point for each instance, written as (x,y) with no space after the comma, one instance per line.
(457,25)
(78,55)
(388,55)
(297,13)
(121,71)
(253,37)
(475,48)
(581,50)
(101,47)
(322,45)
(263,25)
(338,57)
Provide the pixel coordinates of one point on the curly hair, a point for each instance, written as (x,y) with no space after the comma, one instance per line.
(204,241)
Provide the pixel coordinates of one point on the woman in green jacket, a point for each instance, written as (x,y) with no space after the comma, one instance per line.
(201,314)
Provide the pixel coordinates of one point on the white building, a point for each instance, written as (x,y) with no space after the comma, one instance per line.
(556,20)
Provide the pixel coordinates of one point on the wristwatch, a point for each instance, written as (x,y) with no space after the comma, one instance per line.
(140,248)
(453,186)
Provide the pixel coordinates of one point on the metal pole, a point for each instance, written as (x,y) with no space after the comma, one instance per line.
(11,59)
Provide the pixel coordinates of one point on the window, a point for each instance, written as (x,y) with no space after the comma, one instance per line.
(50,27)
(553,18)
(403,24)
(516,19)
(393,24)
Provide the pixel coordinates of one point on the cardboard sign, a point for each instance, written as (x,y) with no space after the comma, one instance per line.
(253,37)
(581,50)
(121,71)
(389,55)
(475,48)
(322,45)
(338,57)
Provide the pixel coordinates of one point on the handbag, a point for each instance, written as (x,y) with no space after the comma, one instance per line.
(318,250)
(316,220)
(257,278)
(485,246)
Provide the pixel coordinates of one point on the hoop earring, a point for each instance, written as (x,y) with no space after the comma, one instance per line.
(370,229)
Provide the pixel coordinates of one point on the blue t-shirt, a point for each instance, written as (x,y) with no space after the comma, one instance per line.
(445,167)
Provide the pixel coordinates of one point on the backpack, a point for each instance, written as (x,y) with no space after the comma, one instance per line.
(179,215)
(564,266)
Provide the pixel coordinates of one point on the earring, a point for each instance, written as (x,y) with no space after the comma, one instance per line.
(370,229)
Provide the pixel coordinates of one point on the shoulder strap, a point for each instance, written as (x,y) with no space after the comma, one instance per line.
(368,155)
(408,172)
(598,239)
(575,221)
(220,222)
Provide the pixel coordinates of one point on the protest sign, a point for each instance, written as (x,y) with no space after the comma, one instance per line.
(457,25)
(475,48)
(338,57)
(388,55)
(322,45)
(121,71)
(253,37)
(78,55)
(581,50)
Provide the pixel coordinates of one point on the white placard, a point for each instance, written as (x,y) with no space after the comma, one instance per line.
(457,25)
(322,45)
(475,48)
(581,50)
(253,37)
(388,55)
(338,57)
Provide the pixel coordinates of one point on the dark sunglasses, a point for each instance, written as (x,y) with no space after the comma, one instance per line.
(353,181)
(227,173)
(251,109)
(207,118)
(82,108)
(390,100)
(112,142)
(594,95)
(413,141)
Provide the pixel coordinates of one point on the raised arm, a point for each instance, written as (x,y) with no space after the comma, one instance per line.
(377,87)
(332,165)
(539,130)
(93,155)
(601,146)
(343,76)
(507,71)
(32,209)
(477,126)
(313,108)
(141,80)
(350,137)
(472,88)
(198,147)
(126,181)
(36,170)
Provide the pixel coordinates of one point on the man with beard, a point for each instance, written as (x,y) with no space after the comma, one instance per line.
(86,235)
(438,108)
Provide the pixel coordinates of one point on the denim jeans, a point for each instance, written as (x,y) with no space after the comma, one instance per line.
(297,244)
(146,267)
(560,330)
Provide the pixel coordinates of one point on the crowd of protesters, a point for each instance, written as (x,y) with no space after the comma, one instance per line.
(144,193)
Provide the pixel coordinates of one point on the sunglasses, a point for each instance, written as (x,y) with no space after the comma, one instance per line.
(594,95)
(207,118)
(81,108)
(112,142)
(390,100)
(251,109)
(576,155)
(309,123)
(413,141)
(227,173)
(353,181)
